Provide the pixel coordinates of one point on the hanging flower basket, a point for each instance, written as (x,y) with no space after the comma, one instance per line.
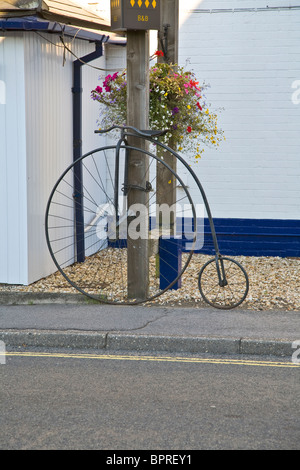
(177,103)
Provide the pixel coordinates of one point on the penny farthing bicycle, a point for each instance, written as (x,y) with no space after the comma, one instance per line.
(88,219)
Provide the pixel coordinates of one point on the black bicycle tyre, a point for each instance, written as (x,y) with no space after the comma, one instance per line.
(97,297)
(202,284)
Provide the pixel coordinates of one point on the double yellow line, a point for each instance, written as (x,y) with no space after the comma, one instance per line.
(177,359)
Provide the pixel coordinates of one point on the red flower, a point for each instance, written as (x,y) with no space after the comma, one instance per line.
(189,129)
(200,107)
(159,53)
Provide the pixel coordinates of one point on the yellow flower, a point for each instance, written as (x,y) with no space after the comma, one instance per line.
(170,181)
(188,106)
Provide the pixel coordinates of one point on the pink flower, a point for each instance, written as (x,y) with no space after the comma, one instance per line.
(106,82)
(98,89)
(192,84)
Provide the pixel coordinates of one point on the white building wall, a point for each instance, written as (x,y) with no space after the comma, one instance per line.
(251,59)
(38,142)
(13,207)
(115,56)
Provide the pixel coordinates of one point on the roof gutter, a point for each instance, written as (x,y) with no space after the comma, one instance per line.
(34,24)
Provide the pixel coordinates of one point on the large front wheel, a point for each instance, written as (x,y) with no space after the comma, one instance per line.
(223,283)
(89,226)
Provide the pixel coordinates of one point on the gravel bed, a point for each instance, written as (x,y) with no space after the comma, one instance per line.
(274,284)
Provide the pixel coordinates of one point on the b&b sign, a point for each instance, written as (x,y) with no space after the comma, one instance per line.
(135,14)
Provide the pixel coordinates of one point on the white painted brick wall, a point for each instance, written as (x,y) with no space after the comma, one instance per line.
(251,59)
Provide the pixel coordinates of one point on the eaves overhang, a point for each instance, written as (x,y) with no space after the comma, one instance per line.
(59,11)
(32,23)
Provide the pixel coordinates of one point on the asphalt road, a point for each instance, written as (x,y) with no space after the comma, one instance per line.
(71,400)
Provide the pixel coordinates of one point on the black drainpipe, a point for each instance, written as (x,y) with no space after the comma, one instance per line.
(77,146)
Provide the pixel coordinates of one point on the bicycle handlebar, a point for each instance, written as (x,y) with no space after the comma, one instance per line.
(142,133)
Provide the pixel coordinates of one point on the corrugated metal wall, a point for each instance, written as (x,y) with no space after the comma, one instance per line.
(51,148)
(13,207)
(36,133)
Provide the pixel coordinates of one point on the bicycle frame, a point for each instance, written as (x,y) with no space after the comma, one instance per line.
(211,276)
(143,135)
(222,279)
(221,272)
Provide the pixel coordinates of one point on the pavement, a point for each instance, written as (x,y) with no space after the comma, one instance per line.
(70,321)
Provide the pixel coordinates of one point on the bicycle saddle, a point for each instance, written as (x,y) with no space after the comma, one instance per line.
(143,133)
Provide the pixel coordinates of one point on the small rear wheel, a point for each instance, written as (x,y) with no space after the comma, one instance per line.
(223,283)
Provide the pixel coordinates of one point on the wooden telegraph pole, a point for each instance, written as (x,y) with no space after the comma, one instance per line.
(138,116)
(168,42)
(168,31)
(137,17)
